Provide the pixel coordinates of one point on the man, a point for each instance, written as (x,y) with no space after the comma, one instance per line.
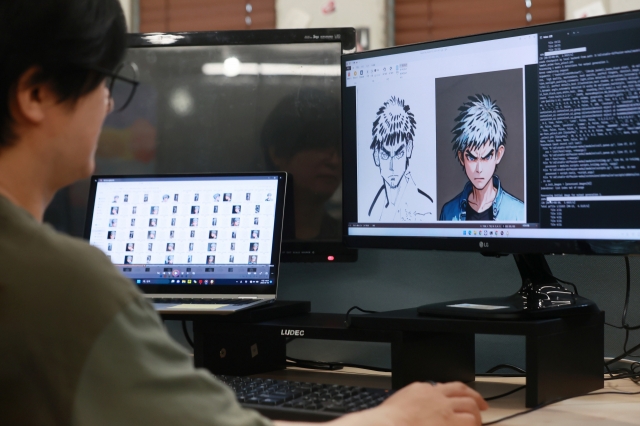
(79,345)
(301,136)
(398,199)
(479,144)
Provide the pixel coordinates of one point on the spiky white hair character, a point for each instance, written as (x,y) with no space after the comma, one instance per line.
(395,123)
(479,121)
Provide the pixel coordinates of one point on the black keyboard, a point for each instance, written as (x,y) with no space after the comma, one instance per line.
(203,301)
(285,400)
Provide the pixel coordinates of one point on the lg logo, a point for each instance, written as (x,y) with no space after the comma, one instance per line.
(484,245)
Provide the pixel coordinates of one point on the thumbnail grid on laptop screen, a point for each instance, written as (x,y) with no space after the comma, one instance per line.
(160,229)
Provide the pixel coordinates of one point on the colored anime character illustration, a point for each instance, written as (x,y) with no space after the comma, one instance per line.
(399,198)
(479,145)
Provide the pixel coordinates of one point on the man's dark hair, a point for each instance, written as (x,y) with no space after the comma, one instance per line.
(304,120)
(66,40)
(394,123)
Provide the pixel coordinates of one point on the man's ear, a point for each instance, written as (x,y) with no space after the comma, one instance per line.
(499,153)
(409,148)
(461,158)
(376,156)
(29,99)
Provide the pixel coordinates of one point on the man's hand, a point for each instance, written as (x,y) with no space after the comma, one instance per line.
(425,404)
(422,404)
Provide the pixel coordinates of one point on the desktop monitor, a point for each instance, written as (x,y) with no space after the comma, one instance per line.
(522,142)
(235,101)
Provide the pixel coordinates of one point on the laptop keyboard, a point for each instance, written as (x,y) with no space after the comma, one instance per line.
(311,397)
(203,301)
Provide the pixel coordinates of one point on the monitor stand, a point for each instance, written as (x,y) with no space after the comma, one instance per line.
(541,296)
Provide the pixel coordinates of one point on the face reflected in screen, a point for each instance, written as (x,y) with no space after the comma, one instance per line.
(302,136)
(293,124)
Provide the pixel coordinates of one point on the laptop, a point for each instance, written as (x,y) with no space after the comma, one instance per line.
(193,243)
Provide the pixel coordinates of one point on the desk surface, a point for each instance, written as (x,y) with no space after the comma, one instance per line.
(612,410)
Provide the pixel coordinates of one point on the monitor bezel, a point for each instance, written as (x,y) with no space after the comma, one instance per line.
(487,246)
(263,289)
(292,250)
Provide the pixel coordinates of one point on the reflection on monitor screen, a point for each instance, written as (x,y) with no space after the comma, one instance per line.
(237,102)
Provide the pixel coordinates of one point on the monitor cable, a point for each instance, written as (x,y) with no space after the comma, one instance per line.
(625,326)
(186,334)
(331,366)
(632,372)
(347,319)
(490,372)
(575,288)
(502,395)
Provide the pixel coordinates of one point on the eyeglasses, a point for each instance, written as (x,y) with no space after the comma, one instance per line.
(122,84)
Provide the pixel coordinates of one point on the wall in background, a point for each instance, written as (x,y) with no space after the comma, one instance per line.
(425,20)
(127,7)
(205,15)
(584,8)
(369,15)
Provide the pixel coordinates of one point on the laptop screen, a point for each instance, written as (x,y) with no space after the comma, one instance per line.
(189,231)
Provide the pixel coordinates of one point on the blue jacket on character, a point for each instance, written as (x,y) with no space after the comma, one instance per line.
(505,205)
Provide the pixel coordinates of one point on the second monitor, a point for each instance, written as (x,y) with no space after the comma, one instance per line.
(520,142)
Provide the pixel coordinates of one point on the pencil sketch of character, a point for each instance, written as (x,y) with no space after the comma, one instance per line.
(398,199)
(479,144)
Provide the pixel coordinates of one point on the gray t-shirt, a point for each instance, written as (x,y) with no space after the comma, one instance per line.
(79,345)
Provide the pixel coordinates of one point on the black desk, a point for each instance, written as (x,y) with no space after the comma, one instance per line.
(564,356)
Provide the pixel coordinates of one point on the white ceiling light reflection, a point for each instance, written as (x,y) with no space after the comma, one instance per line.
(182,102)
(232,67)
(161,38)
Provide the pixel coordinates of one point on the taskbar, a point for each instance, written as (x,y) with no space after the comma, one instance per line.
(458,225)
(500,231)
(193,281)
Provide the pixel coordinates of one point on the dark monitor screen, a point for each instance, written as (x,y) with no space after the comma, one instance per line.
(521,141)
(236,101)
